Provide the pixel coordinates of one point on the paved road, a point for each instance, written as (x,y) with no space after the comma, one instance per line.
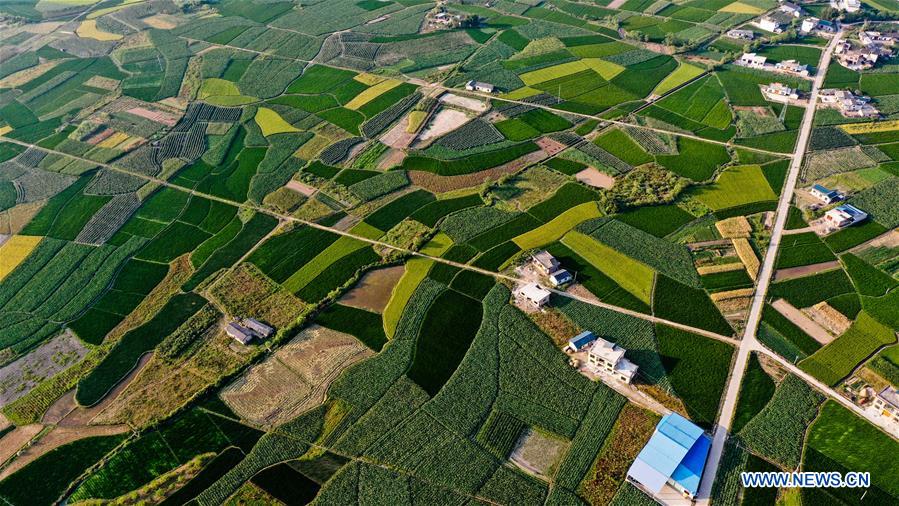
(749,342)
(284,217)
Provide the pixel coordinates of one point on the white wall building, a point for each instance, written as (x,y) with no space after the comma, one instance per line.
(887,402)
(534,294)
(609,358)
(846,5)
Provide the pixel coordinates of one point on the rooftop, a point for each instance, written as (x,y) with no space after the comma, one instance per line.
(676,451)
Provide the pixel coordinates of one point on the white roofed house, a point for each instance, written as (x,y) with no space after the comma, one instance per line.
(844,216)
(545,262)
(846,5)
(560,277)
(791,9)
(825,195)
(479,86)
(239,333)
(792,67)
(887,403)
(779,92)
(752,60)
(608,358)
(533,294)
(769,24)
(809,25)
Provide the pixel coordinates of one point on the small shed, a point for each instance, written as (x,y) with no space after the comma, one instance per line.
(580,341)
(560,277)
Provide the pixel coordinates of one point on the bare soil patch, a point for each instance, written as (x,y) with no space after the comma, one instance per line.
(299,187)
(372,292)
(392,159)
(52,357)
(57,437)
(817,332)
(595,178)
(295,378)
(397,137)
(805,270)
(59,409)
(550,146)
(538,453)
(16,439)
(472,104)
(444,122)
(161,21)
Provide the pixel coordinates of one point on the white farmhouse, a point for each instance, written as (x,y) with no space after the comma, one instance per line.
(239,333)
(887,402)
(769,24)
(825,195)
(534,294)
(752,60)
(844,216)
(479,86)
(792,67)
(545,263)
(609,358)
(846,5)
(779,92)
(791,9)
(741,34)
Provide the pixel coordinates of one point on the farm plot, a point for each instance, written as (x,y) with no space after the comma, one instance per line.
(838,359)
(736,186)
(52,357)
(295,378)
(635,277)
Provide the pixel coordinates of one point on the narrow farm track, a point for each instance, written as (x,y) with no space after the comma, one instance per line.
(284,217)
(749,342)
(506,100)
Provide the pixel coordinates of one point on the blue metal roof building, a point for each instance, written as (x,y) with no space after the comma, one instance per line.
(577,342)
(675,455)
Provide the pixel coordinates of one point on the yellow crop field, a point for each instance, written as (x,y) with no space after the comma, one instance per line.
(520,93)
(554,72)
(560,225)
(734,228)
(88,30)
(417,269)
(741,8)
(635,277)
(372,93)
(747,256)
(714,269)
(272,123)
(14,251)
(5,130)
(369,79)
(681,74)
(113,140)
(107,10)
(416,118)
(870,128)
(222,93)
(606,69)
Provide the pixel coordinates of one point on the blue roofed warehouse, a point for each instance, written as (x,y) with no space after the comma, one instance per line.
(675,455)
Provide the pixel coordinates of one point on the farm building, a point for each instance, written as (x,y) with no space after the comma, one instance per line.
(257,327)
(791,9)
(848,104)
(533,294)
(876,38)
(674,456)
(769,24)
(741,34)
(792,67)
(887,402)
(479,86)
(846,5)
(608,357)
(752,61)
(545,262)
(825,195)
(844,216)
(813,24)
(560,277)
(580,341)
(779,92)
(239,333)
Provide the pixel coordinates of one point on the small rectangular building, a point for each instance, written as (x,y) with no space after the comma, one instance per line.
(560,277)
(239,333)
(769,24)
(844,216)
(791,9)
(674,456)
(846,5)
(792,67)
(887,402)
(608,357)
(545,263)
(257,327)
(741,34)
(752,60)
(533,294)
(779,92)
(580,341)
(479,86)
(825,195)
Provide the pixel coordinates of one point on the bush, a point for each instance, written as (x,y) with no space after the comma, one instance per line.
(778,430)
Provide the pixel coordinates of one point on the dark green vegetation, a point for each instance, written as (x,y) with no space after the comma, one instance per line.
(756,389)
(364,325)
(683,304)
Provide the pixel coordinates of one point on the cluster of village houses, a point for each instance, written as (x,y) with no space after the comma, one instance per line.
(872,46)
